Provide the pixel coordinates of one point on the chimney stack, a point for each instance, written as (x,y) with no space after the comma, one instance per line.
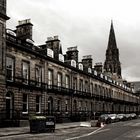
(87,62)
(53,43)
(24,29)
(98,67)
(72,54)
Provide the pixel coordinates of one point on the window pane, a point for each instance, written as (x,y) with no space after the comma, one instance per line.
(25,103)
(38,103)
(75,83)
(37,99)
(50,77)
(25,72)
(24,97)
(66,104)
(67,81)
(37,108)
(81,85)
(38,75)
(9,68)
(24,107)
(58,105)
(59,79)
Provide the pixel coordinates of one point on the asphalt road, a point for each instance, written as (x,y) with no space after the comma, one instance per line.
(128,130)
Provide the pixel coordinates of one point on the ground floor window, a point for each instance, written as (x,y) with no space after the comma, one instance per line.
(75,106)
(38,104)
(25,103)
(58,105)
(50,105)
(80,106)
(66,105)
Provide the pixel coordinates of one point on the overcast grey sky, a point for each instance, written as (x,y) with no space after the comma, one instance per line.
(85,23)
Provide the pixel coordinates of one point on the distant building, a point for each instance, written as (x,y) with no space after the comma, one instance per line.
(136,86)
(38,80)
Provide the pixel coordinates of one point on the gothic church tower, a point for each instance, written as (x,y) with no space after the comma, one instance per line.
(112,64)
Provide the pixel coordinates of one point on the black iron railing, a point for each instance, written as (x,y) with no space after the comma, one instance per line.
(26,83)
(35,85)
(10,118)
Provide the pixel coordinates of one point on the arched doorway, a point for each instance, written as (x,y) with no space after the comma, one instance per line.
(50,106)
(9,105)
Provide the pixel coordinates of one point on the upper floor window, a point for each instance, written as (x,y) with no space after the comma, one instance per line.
(9,68)
(50,77)
(67,81)
(59,80)
(38,75)
(96,89)
(25,72)
(75,83)
(81,85)
(86,86)
(43,75)
(91,88)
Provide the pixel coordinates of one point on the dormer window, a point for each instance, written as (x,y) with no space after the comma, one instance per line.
(61,58)
(73,63)
(81,66)
(50,53)
(89,70)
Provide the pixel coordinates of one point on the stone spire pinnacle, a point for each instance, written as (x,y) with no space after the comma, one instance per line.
(112,38)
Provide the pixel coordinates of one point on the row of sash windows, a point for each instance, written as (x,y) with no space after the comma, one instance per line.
(39,72)
(39,77)
(10,71)
(25,103)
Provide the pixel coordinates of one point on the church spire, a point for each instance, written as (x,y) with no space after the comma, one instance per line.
(112,38)
(112,63)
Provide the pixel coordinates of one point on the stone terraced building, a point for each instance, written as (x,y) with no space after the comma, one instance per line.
(42,80)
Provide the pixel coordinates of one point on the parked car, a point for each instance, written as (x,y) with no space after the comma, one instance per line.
(104,118)
(113,117)
(133,115)
(121,117)
(128,116)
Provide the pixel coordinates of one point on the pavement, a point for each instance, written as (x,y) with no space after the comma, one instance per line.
(9,131)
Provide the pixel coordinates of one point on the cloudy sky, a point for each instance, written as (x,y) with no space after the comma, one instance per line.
(86,24)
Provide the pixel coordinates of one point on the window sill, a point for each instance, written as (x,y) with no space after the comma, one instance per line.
(9,80)
(38,112)
(24,112)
